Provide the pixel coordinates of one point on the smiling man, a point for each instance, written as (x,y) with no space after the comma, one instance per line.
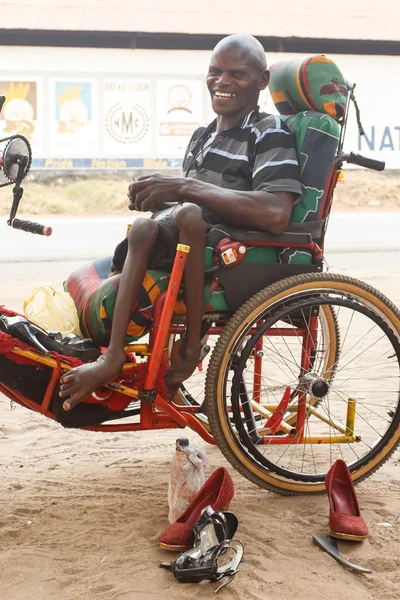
(249,155)
(242,170)
(243,167)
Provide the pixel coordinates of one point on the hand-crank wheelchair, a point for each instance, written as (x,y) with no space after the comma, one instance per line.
(301,367)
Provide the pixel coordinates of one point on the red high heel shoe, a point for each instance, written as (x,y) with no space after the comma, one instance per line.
(345,520)
(216,492)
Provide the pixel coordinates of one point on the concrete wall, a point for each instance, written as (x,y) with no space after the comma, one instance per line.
(113,109)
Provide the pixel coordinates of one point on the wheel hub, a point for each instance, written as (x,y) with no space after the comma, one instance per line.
(314,385)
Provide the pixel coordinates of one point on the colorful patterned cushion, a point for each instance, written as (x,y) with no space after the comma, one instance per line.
(95,294)
(315,83)
(311,94)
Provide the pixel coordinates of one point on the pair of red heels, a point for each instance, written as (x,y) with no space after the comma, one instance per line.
(345,520)
(217,492)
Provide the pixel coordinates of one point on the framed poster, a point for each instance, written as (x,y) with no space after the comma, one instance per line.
(20,112)
(72,128)
(179,113)
(126,119)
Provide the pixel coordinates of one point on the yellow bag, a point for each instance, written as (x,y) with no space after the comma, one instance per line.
(52,310)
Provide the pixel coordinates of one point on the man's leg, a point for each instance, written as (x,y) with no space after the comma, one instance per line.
(186,354)
(80,382)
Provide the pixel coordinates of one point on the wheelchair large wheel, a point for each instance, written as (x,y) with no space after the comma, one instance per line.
(354,415)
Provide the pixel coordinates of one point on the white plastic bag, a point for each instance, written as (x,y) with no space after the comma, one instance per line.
(186,479)
(52,310)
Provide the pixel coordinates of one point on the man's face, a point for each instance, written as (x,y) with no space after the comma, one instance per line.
(234,83)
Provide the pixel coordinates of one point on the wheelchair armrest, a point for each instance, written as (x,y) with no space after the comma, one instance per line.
(260,237)
(298,233)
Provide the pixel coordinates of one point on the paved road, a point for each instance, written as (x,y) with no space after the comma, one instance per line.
(88,238)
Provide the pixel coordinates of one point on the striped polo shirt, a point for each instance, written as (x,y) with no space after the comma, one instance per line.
(258,153)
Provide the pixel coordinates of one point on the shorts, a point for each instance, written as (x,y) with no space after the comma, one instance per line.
(163,253)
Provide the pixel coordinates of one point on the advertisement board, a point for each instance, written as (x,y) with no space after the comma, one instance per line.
(20,114)
(179,113)
(73,127)
(126,117)
(121,109)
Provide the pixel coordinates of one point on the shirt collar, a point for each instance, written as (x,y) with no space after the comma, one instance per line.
(241,124)
(248,118)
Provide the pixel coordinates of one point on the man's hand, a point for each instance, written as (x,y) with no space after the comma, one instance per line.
(155,192)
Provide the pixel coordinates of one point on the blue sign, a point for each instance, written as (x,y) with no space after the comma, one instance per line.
(106,163)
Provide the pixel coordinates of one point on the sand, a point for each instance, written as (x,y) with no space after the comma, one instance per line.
(81,513)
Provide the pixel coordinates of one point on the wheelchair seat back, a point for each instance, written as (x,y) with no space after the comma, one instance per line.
(311,96)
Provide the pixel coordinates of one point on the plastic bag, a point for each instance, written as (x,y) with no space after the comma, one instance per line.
(186,479)
(52,310)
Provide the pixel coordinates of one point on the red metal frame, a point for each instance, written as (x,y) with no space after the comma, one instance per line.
(309,335)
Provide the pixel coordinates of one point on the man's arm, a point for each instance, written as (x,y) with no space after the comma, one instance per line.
(267,207)
(259,210)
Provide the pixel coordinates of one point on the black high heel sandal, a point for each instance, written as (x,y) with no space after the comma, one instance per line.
(214,556)
(22,329)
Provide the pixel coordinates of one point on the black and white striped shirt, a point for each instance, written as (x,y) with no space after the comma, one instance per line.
(258,153)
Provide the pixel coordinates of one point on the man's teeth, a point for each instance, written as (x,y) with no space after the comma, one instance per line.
(224,95)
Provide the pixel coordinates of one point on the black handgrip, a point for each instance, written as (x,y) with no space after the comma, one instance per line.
(31,227)
(368,163)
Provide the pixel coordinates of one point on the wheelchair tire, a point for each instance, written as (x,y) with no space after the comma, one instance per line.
(353,302)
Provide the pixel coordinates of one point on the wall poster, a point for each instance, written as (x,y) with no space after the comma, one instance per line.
(179,113)
(127,117)
(73,127)
(20,112)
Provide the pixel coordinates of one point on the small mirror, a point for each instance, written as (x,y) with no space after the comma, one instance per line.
(16,151)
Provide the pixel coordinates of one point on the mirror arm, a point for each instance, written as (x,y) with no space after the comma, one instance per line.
(17,189)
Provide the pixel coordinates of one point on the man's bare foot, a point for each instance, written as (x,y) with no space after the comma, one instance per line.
(184,360)
(80,382)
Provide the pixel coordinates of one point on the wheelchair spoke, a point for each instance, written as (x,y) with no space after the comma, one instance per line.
(287,361)
(331,415)
(363,352)
(344,399)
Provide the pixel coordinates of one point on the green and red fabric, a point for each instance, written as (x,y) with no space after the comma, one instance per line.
(311,95)
(317,140)
(95,295)
(315,83)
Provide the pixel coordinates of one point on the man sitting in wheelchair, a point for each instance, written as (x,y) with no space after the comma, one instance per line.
(242,171)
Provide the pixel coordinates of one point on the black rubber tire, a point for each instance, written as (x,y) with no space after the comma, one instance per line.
(225,439)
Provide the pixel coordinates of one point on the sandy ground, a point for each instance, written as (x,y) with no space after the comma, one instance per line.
(81,512)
